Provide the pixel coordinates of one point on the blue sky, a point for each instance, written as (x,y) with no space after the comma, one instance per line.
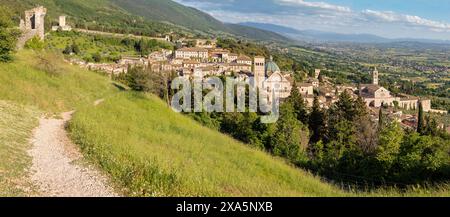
(388,18)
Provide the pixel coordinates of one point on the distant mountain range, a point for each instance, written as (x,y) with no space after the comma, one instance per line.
(321,36)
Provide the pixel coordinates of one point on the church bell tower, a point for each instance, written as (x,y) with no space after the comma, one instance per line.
(375,75)
(259,71)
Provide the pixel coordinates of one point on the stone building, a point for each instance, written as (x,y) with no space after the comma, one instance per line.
(232,57)
(133,61)
(306,89)
(62,25)
(32,25)
(376,96)
(243,59)
(192,53)
(218,55)
(237,67)
(275,81)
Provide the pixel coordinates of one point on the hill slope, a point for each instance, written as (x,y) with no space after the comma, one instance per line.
(119,13)
(169,11)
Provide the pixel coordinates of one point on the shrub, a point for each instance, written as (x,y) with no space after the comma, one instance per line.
(35,44)
(47,63)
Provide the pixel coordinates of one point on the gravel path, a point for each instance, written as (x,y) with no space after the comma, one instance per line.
(58,169)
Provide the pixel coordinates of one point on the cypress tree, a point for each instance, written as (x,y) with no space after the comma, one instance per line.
(380,118)
(420,120)
(316,121)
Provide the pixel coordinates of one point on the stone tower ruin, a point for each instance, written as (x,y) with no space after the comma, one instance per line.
(62,25)
(32,25)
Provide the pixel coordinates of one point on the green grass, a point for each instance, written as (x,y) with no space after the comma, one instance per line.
(59,88)
(16,124)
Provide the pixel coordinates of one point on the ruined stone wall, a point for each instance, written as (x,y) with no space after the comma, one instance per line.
(32,25)
(408,104)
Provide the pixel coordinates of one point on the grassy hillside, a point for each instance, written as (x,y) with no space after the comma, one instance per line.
(139,16)
(44,81)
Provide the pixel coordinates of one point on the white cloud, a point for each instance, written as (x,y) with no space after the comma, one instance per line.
(389,16)
(319,5)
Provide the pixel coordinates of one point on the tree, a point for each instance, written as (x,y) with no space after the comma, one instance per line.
(67,50)
(380,119)
(360,108)
(341,111)
(422,156)
(317,122)
(342,143)
(431,126)
(191,43)
(344,108)
(75,48)
(139,46)
(388,148)
(97,57)
(420,120)
(299,104)
(139,79)
(290,137)
(8,35)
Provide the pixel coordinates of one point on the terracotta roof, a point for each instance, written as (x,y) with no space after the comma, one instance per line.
(193,49)
(244,58)
(371,87)
(238,64)
(304,85)
(407,97)
(190,62)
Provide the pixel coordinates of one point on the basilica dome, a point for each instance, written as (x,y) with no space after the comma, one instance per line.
(271,67)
